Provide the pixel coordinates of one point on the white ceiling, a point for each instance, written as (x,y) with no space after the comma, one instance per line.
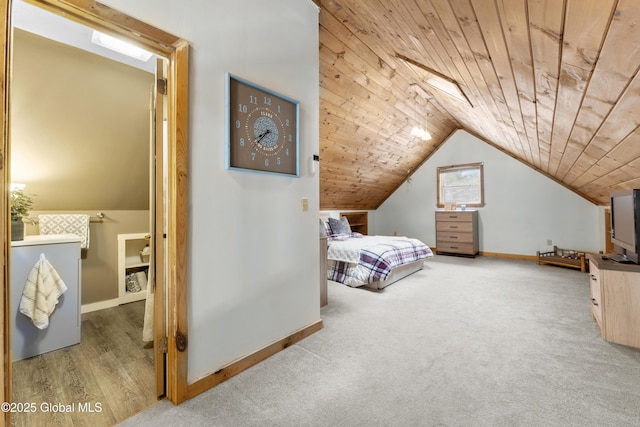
(38,21)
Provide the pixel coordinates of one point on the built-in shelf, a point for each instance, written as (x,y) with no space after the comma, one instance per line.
(359,221)
(130,261)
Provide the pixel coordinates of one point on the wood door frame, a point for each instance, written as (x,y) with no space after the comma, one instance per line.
(608,244)
(176,51)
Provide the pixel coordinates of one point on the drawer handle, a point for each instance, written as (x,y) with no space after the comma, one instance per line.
(594,302)
(453,216)
(593,277)
(454,247)
(453,226)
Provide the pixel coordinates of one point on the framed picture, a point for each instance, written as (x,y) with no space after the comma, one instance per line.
(262,129)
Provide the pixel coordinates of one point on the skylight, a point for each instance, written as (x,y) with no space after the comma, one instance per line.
(436,80)
(120,46)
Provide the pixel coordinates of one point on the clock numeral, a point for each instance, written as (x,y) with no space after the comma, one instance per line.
(253,156)
(237,124)
(242,108)
(266,162)
(253,100)
(286,151)
(279,110)
(267,100)
(241,142)
(290,138)
(286,122)
(278,160)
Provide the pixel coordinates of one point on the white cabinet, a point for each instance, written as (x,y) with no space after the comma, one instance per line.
(133,270)
(63,252)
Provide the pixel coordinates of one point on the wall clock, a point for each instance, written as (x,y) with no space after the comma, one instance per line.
(262,129)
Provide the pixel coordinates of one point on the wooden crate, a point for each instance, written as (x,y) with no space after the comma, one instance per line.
(565,258)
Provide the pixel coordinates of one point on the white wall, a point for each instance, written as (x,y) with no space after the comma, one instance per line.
(253,253)
(523,208)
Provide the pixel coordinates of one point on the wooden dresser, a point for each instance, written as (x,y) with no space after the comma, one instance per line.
(615,300)
(457,232)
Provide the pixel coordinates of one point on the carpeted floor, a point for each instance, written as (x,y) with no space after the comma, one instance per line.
(464,342)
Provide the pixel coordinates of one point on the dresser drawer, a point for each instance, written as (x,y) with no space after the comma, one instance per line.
(456,248)
(462,227)
(454,216)
(457,232)
(454,237)
(596,294)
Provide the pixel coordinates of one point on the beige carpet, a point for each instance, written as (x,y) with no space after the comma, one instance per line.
(464,342)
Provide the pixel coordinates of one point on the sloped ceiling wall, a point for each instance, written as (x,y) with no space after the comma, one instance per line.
(552,83)
(79,127)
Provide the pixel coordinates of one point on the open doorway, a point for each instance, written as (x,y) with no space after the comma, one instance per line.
(79,137)
(169,242)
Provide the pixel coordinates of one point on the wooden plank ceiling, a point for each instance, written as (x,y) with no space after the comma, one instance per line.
(552,83)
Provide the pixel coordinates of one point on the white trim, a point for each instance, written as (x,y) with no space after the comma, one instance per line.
(101,305)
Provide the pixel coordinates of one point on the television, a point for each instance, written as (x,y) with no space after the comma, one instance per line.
(625,226)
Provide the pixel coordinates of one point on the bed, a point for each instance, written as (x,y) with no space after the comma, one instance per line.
(370,261)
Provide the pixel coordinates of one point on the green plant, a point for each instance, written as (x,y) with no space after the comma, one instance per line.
(20,204)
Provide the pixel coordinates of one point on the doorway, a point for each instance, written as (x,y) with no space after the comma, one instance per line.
(71,139)
(608,244)
(175,50)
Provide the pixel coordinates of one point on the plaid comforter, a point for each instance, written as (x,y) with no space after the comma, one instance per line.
(363,260)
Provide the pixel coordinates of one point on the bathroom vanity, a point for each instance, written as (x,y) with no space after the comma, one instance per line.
(63,252)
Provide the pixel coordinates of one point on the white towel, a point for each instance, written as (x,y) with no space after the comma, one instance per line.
(41,293)
(147,326)
(142,279)
(77,224)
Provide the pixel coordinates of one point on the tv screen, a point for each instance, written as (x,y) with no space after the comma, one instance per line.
(624,223)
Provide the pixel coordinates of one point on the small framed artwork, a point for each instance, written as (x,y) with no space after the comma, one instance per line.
(262,129)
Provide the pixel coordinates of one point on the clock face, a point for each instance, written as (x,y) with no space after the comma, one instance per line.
(262,129)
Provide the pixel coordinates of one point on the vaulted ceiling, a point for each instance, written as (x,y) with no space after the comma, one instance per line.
(552,83)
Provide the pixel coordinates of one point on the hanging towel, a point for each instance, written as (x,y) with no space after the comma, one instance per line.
(41,292)
(147,326)
(77,224)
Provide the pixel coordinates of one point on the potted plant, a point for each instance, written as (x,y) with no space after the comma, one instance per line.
(20,205)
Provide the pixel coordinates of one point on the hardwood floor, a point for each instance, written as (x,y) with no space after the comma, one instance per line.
(105,379)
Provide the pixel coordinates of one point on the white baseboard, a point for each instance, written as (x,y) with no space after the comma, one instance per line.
(88,308)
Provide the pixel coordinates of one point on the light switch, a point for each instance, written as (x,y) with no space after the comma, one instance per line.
(305,204)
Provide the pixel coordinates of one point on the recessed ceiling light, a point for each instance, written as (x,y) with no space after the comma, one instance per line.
(436,80)
(120,46)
